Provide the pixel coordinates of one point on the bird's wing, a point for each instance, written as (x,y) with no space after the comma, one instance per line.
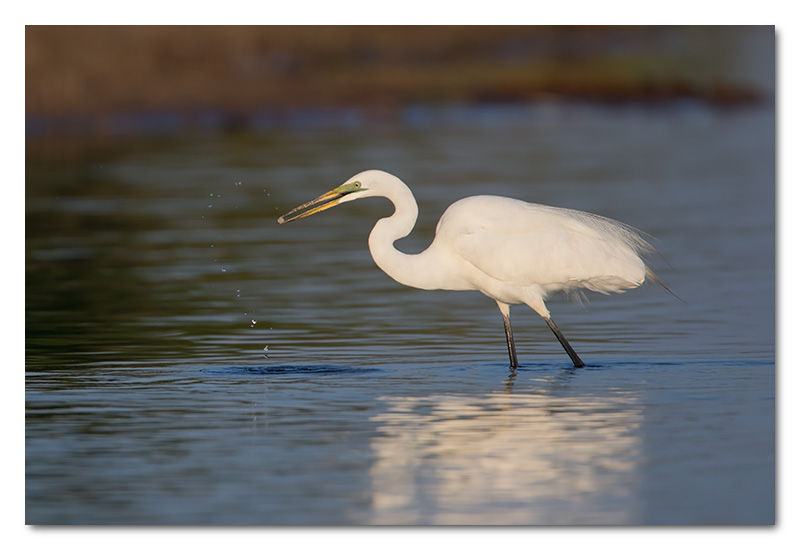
(525,244)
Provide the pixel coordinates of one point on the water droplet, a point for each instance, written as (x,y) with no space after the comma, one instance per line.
(253,322)
(238,183)
(266,348)
(224,270)
(210,205)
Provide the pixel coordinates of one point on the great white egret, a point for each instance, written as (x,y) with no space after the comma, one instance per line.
(512,251)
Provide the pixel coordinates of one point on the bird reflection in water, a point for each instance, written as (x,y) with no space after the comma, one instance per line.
(507,459)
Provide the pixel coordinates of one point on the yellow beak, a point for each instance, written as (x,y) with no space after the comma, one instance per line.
(328,200)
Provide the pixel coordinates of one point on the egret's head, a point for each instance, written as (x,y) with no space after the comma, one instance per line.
(357,187)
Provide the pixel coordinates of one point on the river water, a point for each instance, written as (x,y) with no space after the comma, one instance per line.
(156,276)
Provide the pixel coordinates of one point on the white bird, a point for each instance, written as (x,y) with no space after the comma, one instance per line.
(512,251)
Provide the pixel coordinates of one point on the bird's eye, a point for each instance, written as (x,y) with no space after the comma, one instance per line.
(357,184)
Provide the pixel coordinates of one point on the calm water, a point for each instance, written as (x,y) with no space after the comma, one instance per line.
(156,275)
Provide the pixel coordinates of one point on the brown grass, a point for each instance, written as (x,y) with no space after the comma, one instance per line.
(90,71)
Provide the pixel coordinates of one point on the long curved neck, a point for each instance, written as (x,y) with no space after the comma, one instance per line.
(414,270)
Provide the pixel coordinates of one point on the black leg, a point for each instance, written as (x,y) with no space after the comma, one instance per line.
(512,352)
(571,352)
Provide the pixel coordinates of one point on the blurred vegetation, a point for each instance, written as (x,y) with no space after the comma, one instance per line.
(86,73)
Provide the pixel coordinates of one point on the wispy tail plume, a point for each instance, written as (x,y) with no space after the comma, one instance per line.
(651,276)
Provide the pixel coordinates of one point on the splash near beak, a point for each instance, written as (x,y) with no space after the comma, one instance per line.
(328,200)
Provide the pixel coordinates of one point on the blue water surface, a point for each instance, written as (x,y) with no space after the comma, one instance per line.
(156,276)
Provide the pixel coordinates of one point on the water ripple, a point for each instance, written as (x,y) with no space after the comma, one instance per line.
(283,370)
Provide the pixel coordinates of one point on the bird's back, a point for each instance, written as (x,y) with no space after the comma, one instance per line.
(521,244)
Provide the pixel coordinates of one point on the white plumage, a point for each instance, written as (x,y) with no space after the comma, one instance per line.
(510,250)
